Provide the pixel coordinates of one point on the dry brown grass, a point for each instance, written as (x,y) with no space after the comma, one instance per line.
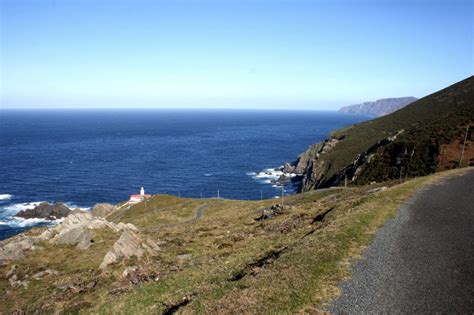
(285,264)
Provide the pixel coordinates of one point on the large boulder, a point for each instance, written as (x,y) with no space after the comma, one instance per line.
(128,245)
(103,209)
(45,211)
(74,235)
(15,249)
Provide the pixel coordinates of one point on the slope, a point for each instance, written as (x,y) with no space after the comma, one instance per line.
(409,142)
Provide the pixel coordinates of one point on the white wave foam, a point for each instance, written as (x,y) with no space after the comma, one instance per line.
(208,174)
(73,206)
(17,207)
(21,222)
(5,197)
(270,175)
(7,215)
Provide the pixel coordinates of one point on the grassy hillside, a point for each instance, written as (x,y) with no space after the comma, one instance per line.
(428,123)
(226,261)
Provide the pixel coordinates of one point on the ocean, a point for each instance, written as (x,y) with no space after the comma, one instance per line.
(83,157)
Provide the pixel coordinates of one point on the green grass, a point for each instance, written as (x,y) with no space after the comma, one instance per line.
(227,241)
(429,122)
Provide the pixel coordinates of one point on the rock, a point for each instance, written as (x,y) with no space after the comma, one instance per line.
(47,272)
(128,245)
(46,235)
(83,218)
(79,287)
(103,209)
(18,312)
(86,242)
(14,282)
(127,226)
(45,211)
(135,275)
(184,257)
(10,272)
(73,235)
(15,249)
(272,212)
(288,168)
(151,246)
(374,190)
(128,271)
(75,229)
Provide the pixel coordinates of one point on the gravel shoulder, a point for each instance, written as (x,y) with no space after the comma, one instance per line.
(422,261)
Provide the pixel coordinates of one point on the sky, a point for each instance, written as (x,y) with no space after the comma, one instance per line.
(292,54)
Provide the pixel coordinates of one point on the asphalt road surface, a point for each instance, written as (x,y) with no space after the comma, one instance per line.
(422,261)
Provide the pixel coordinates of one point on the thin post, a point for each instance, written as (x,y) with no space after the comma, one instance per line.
(201,194)
(464,146)
(345,180)
(218,194)
(282,194)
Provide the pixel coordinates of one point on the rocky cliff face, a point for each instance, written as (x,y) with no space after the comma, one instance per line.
(378,108)
(426,136)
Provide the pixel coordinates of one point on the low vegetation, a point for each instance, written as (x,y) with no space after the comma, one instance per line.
(239,257)
(430,129)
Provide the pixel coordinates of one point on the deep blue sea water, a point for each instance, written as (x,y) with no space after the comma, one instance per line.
(84,157)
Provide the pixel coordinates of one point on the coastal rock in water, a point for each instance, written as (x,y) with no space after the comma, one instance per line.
(45,211)
(103,210)
(288,168)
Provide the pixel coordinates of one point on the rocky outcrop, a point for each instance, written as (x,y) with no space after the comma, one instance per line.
(300,166)
(378,108)
(128,245)
(351,172)
(310,167)
(78,229)
(103,210)
(15,248)
(74,235)
(45,211)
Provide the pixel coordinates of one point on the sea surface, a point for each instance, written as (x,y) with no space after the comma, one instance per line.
(82,157)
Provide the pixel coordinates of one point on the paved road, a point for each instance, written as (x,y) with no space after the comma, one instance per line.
(422,261)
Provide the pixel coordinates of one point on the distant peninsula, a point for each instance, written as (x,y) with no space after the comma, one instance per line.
(379,107)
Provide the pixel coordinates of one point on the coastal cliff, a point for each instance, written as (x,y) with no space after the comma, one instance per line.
(379,107)
(426,136)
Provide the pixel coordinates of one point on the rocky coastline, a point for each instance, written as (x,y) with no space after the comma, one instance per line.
(45,211)
(78,228)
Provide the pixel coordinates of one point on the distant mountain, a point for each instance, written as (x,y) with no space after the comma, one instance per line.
(378,108)
(429,135)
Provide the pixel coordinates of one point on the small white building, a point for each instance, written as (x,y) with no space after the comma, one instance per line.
(138,198)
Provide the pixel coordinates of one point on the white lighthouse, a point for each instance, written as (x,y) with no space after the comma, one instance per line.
(142,192)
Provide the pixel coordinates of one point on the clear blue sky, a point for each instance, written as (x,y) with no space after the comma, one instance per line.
(249,54)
